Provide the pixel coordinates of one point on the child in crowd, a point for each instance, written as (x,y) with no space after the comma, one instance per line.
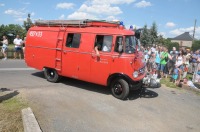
(185,70)
(175,74)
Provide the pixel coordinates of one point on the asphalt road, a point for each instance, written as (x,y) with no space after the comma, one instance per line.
(76,106)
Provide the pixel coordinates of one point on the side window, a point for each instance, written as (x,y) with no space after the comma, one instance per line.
(73,40)
(104,43)
(118,43)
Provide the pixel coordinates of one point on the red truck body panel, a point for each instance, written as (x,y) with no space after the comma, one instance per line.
(45,47)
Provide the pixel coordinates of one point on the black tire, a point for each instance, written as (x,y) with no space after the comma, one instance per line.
(51,75)
(120,88)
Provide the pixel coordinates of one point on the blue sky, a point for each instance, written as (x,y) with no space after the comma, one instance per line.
(172,17)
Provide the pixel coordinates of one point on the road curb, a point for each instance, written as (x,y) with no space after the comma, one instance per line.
(29,121)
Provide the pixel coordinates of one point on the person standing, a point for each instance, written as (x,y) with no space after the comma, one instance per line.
(23,46)
(4,47)
(163,61)
(18,49)
(171,63)
(194,61)
(157,60)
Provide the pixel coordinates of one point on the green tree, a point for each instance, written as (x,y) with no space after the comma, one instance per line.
(167,43)
(160,39)
(11,31)
(153,33)
(196,45)
(145,39)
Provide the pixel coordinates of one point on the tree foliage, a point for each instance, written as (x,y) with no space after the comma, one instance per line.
(11,31)
(153,33)
(196,45)
(169,45)
(160,39)
(145,39)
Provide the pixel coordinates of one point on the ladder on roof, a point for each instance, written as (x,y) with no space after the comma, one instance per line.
(77,23)
(59,46)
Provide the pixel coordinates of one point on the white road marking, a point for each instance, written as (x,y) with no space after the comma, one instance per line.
(16,69)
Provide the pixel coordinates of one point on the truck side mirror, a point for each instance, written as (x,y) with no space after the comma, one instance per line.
(137,33)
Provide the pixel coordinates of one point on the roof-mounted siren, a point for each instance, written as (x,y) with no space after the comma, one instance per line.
(131,28)
(121,25)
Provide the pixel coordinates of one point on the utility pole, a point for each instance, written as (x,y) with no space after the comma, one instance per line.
(194,28)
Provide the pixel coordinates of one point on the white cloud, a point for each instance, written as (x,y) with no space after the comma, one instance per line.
(15,13)
(32,13)
(81,15)
(99,9)
(170,24)
(65,5)
(62,17)
(143,4)
(20,19)
(1,4)
(179,31)
(105,9)
(99,2)
(111,18)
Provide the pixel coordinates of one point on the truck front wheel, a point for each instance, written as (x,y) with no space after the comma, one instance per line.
(120,88)
(51,75)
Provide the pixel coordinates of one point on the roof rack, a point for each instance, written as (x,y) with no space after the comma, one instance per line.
(77,23)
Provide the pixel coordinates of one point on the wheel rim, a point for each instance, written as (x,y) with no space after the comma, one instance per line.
(118,88)
(50,74)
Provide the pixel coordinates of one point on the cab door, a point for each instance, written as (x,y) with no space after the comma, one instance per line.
(100,65)
(70,55)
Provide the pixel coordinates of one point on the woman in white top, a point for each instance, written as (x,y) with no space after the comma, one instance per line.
(179,62)
(4,47)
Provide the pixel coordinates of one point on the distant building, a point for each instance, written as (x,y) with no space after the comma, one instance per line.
(184,40)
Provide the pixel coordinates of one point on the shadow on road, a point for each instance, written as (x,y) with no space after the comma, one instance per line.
(4,89)
(39,74)
(145,93)
(86,85)
(8,96)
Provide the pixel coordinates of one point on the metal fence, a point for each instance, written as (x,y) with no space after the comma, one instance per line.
(10,54)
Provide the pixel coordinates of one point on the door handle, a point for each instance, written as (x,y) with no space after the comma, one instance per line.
(64,52)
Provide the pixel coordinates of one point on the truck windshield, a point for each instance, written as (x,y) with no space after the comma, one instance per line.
(130,44)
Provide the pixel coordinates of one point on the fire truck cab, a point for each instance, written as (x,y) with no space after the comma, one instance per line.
(99,52)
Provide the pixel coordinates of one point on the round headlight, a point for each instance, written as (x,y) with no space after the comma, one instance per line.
(135,74)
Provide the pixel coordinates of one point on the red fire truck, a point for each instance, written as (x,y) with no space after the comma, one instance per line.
(100,52)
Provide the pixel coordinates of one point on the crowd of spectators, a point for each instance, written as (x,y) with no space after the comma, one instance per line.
(176,63)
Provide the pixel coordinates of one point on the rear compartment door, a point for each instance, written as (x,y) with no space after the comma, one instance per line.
(70,55)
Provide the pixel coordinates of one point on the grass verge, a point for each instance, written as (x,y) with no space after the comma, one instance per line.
(167,82)
(10,114)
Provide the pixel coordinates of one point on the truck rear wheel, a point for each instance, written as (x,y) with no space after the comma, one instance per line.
(120,88)
(51,75)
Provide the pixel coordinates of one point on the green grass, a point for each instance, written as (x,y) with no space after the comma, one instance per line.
(189,76)
(10,114)
(167,82)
